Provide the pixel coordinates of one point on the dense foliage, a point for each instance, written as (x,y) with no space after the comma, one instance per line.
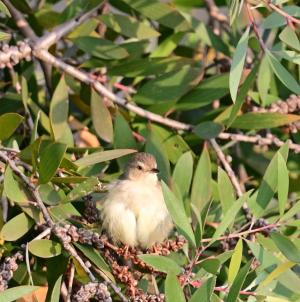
(210,89)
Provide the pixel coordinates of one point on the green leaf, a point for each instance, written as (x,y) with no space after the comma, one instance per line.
(226,190)
(101,48)
(235,261)
(92,254)
(291,212)
(12,188)
(243,91)
(4,36)
(129,26)
(44,248)
(82,189)
(201,187)
(183,173)
(55,294)
(205,93)
(264,79)
(177,212)
(283,75)
(283,183)
(204,292)
(50,160)
(123,138)
(166,47)
(168,87)
(161,12)
(59,108)
(14,293)
(238,283)
(4,9)
(259,202)
(229,217)
(206,35)
(101,117)
(149,66)
(257,120)
(173,290)
(16,227)
(49,195)
(289,37)
(286,246)
(99,157)
(208,130)
(9,122)
(162,263)
(237,65)
(212,266)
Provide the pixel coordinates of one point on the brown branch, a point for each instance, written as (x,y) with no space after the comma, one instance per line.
(55,229)
(21,22)
(57,33)
(238,235)
(215,12)
(227,167)
(28,32)
(280,11)
(70,283)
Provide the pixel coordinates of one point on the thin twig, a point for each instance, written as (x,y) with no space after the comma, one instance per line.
(227,167)
(255,28)
(238,235)
(70,283)
(282,12)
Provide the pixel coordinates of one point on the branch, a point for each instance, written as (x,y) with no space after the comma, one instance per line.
(280,11)
(57,33)
(21,22)
(55,229)
(215,12)
(227,167)
(238,235)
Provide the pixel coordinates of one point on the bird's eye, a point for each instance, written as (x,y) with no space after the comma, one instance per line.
(140,167)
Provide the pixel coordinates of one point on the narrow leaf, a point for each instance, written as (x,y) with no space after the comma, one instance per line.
(173,290)
(201,187)
(287,247)
(283,183)
(283,75)
(237,65)
(162,263)
(101,117)
(235,261)
(99,157)
(238,283)
(225,189)
(50,160)
(205,292)
(178,214)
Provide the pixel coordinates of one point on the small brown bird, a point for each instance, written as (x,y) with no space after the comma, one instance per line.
(134,211)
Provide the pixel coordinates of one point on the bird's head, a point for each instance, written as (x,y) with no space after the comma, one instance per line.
(142,166)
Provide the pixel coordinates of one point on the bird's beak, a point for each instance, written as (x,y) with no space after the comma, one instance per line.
(155,170)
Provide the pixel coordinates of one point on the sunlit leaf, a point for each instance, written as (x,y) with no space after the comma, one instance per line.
(9,122)
(237,65)
(235,261)
(161,263)
(44,248)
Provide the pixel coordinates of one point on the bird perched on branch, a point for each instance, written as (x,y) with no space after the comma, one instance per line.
(134,211)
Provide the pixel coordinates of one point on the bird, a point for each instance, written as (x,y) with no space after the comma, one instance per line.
(134,211)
